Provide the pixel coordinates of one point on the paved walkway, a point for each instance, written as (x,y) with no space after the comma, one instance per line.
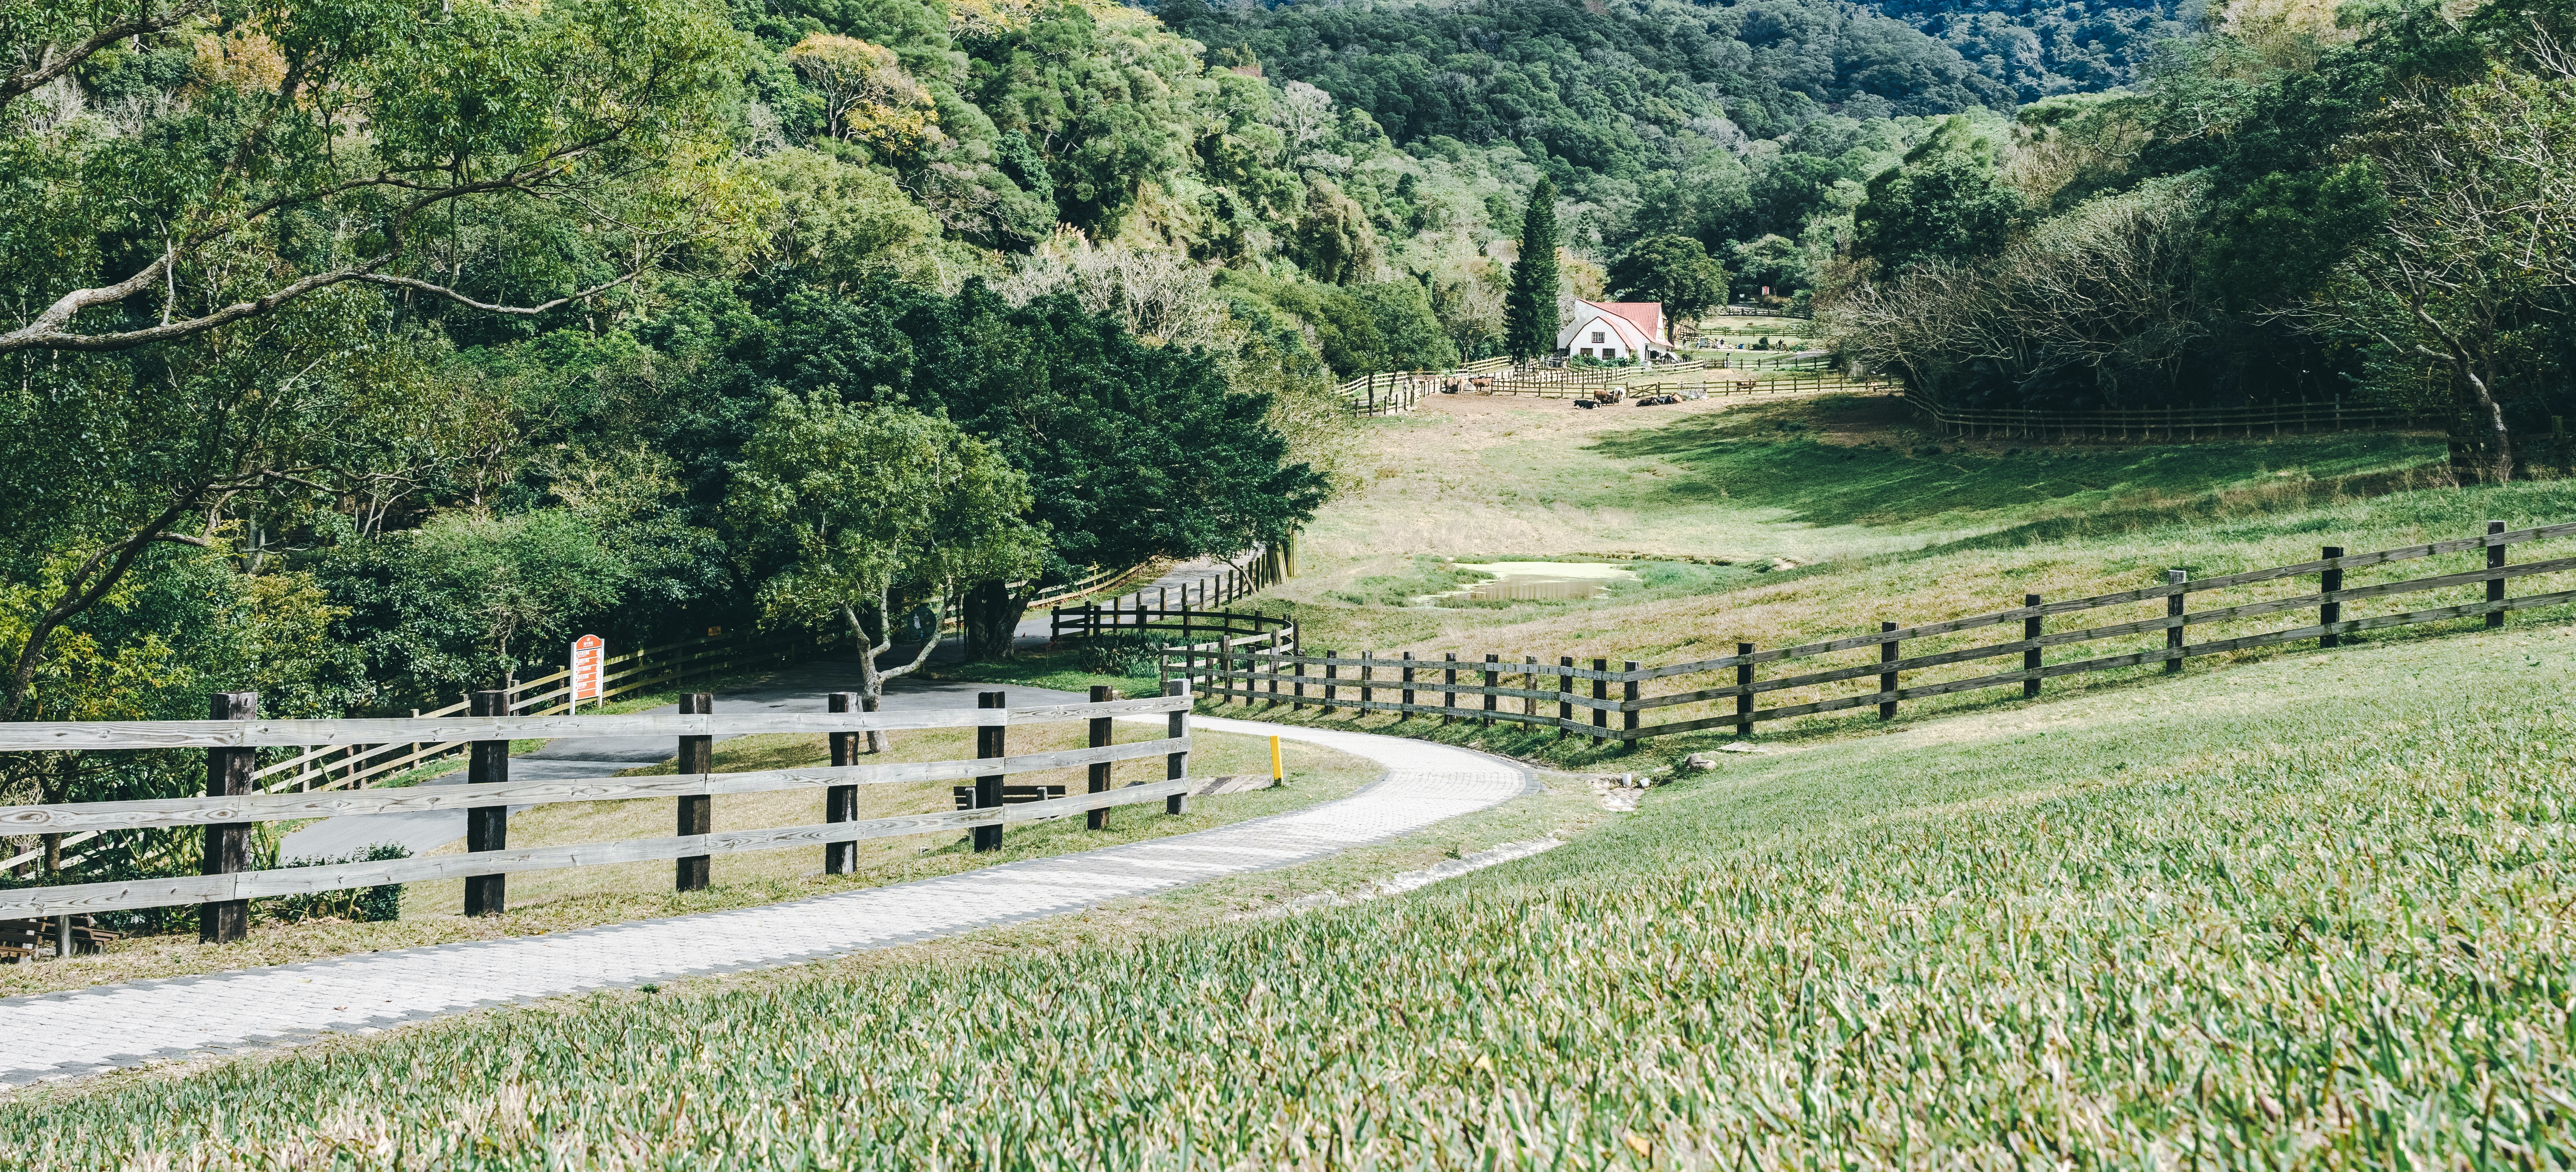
(89,1030)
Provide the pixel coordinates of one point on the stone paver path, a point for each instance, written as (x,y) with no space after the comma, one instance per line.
(89,1030)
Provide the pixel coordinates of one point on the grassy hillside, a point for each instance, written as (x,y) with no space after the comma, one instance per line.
(2230,929)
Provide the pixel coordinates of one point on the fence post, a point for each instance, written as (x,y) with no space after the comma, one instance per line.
(1448,679)
(1368,674)
(841,802)
(228,772)
(988,787)
(2330,611)
(1297,688)
(1628,694)
(2173,609)
(1407,714)
(1744,699)
(1491,679)
(1177,765)
(1600,692)
(1270,665)
(2030,658)
(1887,679)
(697,811)
(1332,671)
(1100,737)
(1529,683)
(1565,695)
(1091,620)
(2495,586)
(1055,625)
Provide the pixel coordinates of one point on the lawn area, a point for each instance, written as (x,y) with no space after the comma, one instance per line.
(2307,912)
(555,901)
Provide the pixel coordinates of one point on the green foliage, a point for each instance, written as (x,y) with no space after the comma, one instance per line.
(363,904)
(469,601)
(866,509)
(1529,315)
(1943,203)
(1674,270)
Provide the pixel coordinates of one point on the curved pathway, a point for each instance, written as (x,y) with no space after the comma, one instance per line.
(89,1030)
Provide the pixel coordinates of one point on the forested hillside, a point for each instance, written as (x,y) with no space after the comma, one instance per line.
(361,353)
(2294,207)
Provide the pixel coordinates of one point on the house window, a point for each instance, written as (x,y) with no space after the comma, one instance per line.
(1587,351)
(1609,351)
(1596,336)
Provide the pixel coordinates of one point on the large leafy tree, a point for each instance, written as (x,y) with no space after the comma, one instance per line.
(509,158)
(1674,270)
(1943,203)
(1132,451)
(1529,312)
(868,510)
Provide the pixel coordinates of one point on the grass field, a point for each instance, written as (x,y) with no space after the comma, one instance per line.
(555,901)
(2306,913)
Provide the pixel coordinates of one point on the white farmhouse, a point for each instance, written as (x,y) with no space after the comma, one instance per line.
(1621,331)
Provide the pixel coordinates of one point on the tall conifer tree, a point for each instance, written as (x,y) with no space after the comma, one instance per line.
(1529,315)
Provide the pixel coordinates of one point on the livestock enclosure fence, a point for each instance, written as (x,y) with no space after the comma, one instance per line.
(1892,661)
(2159,424)
(234,734)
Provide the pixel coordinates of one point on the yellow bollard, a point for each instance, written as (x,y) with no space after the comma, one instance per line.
(1275,775)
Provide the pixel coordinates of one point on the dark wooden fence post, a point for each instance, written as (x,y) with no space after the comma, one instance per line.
(1297,701)
(697,811)
(1565,695)
(1887,679)
(1744,699)
(1270,665)
(1100,738)
(1600,692)
(228,773)
(1368,675)
(1529,683)
(1448,679)
(2495,586)
(2330,611)
(1407,714)
(1491,681)
(2173,610)
(2030,658)
(841,802)
(989,744)
(487,828)
(1177,765)
(1332,672)
(1628,693)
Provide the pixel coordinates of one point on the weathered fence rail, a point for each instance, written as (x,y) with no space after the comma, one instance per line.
(1550,694)
(230,807)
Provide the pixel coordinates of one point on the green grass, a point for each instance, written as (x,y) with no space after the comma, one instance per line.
(2310,913)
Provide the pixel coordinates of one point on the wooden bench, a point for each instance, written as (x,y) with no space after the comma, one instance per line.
(25,940)
(1012,795)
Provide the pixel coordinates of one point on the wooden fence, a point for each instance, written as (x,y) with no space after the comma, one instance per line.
(2166,424)
(233,737)
(1549,693)
(1167,608)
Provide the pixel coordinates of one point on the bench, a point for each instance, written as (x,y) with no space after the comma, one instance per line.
(1012,795)
(25,940)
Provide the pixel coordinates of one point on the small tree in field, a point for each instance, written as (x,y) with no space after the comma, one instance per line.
(868,511)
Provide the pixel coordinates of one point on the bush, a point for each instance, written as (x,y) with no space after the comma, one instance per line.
(1131,656)
(351,903)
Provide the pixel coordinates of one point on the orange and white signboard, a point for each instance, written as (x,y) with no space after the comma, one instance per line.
(589,658)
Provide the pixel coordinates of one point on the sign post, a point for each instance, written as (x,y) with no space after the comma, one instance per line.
(589,656)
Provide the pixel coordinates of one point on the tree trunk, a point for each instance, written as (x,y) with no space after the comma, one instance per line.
(992,620)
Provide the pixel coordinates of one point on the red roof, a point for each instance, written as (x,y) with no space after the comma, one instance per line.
(1647,316)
